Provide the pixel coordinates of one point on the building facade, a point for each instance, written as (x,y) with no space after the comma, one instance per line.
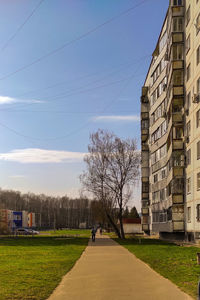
(170,127)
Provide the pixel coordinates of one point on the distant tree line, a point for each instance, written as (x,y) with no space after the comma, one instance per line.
(60,212)
(51,212)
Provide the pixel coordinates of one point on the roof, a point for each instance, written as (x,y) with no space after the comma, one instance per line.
(131,220)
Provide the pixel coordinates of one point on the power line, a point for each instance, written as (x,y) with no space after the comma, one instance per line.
(81,89)
(122,66)
(76,130)
(62,96)
(74,40)
(21,26)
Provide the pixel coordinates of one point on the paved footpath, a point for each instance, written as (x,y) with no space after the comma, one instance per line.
(108,271)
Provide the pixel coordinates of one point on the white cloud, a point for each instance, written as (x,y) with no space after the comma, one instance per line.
(115,118)
(34,155)
(11,100)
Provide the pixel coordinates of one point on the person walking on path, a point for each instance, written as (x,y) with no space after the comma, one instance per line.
(93,234)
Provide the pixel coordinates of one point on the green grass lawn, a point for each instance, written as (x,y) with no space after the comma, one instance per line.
(31,267)
(67,232)
(177,263)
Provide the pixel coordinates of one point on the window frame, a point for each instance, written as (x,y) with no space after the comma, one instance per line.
(189,214)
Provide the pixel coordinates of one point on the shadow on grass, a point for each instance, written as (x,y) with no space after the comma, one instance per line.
(43,241)
(143,242)
(73,240)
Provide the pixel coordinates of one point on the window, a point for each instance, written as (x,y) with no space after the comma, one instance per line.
(188,16)
(162,129)
(155,178)
(197,25)
(188,100)
(198,86)
(162,194)
(198,212)
(188,71)
(188,129)
(188,157)
(198,118)
(198,150)
(189,185)
(198,55)
(178,133)
(163,173)
(177,2)
(156,197)
(198,181)
(145,187)
(178,77)
(187,44)
(177,52)
(145,124)
(189,214)
(163,41)
(177,24)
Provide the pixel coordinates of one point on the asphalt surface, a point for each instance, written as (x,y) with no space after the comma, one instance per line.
(108,271)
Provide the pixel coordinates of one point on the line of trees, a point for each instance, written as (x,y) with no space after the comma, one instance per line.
(61,212)
(51,212)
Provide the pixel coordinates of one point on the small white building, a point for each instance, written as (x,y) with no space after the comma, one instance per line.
(132,225)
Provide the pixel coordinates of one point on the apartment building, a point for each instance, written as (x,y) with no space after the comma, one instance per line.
(164,130)
(192,119)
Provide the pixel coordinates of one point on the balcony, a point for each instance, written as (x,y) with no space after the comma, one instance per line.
(177,186)
(145,220)
(177,117)
(178,11)
(177,144)
(144,135)
(178,91)
(178,171)
(177,199)
(178,226)
(177,64)
(145,211)
(177,37)
(145,147)
(145,227)
(145,171)
(144,99)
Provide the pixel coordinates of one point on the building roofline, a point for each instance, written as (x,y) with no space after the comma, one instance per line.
(156,45)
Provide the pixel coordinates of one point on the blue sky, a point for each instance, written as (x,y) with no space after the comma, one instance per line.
(49,108)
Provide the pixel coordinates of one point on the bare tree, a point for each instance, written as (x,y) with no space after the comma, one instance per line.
(112,170)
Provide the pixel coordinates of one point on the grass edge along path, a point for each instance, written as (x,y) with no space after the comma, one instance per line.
(176,263)
(32,267)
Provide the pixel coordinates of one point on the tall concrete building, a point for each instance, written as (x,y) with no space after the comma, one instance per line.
(170,127)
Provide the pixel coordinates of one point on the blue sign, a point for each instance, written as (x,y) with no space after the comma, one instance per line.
(17,219)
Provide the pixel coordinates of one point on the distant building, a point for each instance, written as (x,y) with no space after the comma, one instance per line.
(5,220)
(20,219)
(132,225)
(31,220)
(83,225)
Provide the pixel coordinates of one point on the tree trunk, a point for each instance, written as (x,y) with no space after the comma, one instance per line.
(113,225)
(121,223)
